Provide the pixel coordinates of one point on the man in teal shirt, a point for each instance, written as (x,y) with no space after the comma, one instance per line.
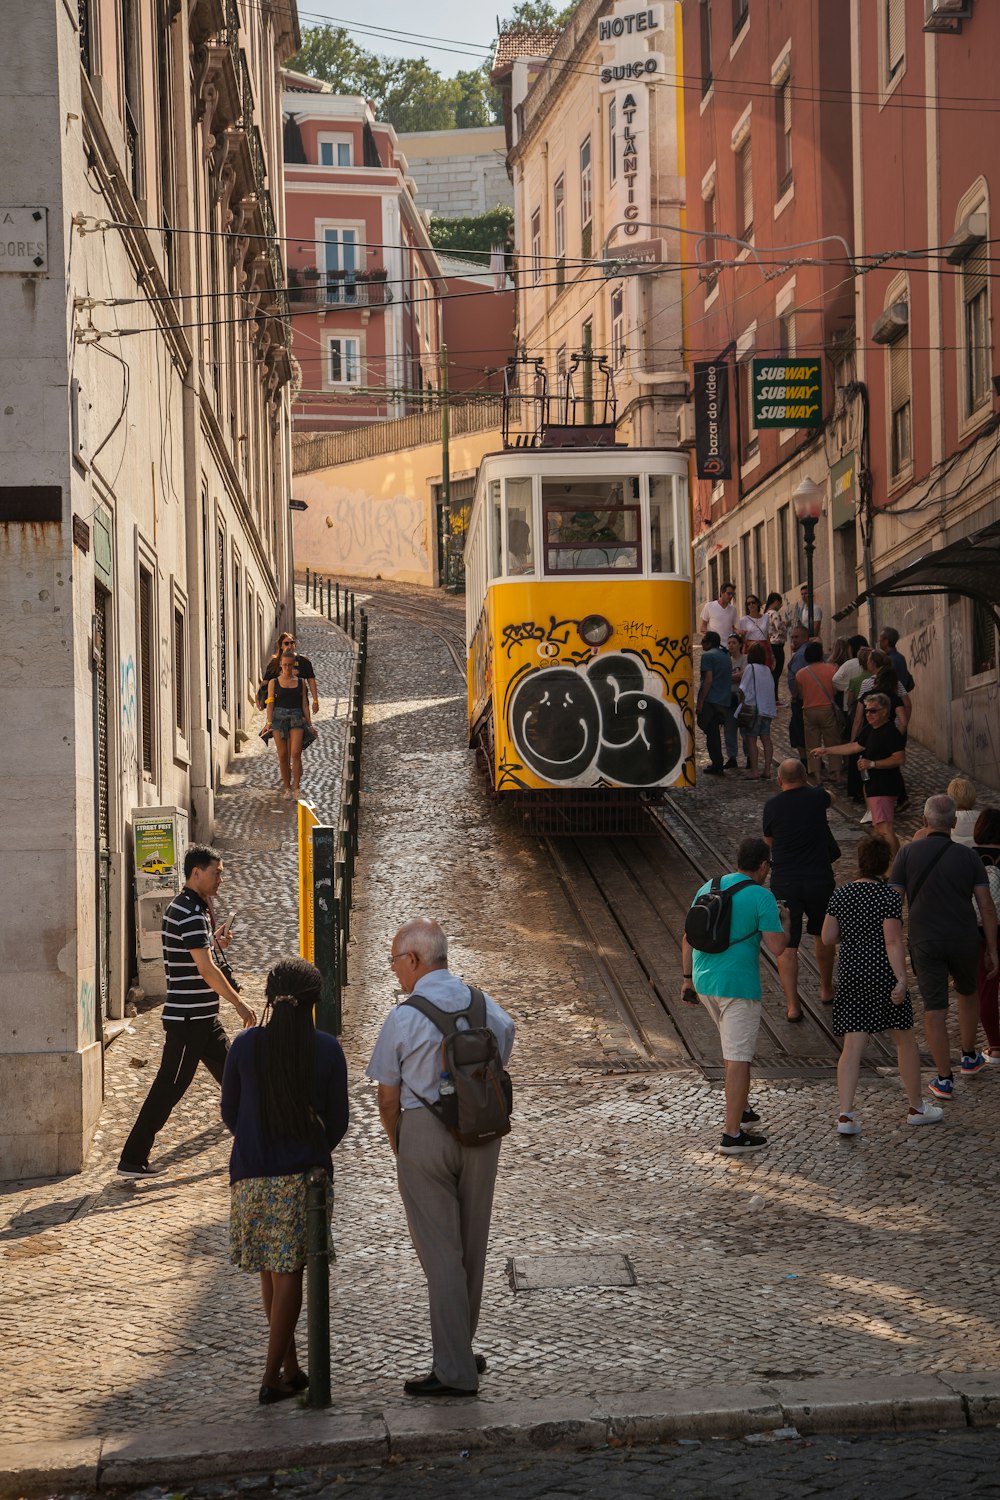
(728,983)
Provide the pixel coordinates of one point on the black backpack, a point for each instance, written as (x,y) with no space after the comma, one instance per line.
(707,924)
(479,1110)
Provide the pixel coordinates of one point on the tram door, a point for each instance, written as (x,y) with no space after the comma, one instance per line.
(451,532)
(102,601)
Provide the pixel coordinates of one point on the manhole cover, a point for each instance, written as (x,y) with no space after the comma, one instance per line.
(535,1273)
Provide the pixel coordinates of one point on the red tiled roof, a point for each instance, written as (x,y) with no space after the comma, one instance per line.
(523,41)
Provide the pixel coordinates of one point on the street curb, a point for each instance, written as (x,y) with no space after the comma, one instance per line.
(282,1437)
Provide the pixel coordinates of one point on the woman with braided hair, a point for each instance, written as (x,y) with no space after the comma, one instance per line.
(284,1097)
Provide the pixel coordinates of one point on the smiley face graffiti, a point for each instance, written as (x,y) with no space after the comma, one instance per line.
(607,721)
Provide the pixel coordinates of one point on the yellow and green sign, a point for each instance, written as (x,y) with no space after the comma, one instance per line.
(154,845)
(787,393)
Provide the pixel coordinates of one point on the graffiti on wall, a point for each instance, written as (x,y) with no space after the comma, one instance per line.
(610,718)
(922,645)
(85,1005)
(367,536)
(130,754)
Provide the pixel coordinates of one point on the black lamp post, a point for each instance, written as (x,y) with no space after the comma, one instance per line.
(808,502)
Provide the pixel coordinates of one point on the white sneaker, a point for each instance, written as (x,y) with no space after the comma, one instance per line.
(993,1058)
(927,1114)
(866,819)
(849,1124)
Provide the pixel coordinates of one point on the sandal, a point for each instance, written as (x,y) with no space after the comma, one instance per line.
(790,1017)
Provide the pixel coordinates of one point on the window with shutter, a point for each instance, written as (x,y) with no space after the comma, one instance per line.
(975,296)
(180,673)
(711,274)
(223,642)
(783,143)
(706,45)
(895,35)
(899,405)
(146,647)
(744,188)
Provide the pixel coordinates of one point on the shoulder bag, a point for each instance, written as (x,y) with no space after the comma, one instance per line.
(845,721)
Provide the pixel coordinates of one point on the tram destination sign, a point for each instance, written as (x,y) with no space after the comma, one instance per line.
(787,393)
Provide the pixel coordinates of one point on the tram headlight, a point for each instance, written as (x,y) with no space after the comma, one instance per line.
(595,630)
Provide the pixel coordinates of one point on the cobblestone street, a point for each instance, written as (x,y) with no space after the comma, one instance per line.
(821,1257)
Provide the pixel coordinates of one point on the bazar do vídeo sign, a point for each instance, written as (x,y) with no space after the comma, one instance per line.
(787,393)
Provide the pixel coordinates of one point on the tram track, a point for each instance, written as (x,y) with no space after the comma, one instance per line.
(629,897)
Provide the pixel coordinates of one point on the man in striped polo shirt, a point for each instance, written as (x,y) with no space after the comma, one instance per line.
(193,1031)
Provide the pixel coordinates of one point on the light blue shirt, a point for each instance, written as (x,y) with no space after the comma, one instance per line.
(408,1050)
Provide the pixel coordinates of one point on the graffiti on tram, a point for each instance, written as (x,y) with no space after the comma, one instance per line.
(616,718)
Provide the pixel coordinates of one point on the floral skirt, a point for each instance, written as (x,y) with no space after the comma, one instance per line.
(267,1223)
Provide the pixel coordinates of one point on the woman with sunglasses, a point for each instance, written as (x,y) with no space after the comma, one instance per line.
(305,669)
(881,752)
(284,1098)
(287,718)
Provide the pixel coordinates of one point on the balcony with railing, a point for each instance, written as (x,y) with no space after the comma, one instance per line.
(318,287)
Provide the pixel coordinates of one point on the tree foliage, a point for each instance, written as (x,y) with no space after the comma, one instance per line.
(540,15)
(474,231)
(406,92)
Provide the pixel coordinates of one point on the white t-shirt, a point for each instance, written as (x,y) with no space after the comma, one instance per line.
(757,687)
(842,676)
(800,614)
(719,617)
(754,631)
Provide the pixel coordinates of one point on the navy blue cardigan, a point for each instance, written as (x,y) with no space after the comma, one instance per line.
(252,1156)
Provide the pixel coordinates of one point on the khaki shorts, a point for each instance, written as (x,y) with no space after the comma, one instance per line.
(738,1022)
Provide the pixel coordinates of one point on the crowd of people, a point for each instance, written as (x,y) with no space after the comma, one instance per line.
(848,713)
(848,722)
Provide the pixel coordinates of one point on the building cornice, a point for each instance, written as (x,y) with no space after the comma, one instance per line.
(559,71)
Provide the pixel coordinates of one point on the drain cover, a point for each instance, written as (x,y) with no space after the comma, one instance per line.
(536,1273)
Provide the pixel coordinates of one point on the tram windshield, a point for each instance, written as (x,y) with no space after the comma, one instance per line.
(591,525)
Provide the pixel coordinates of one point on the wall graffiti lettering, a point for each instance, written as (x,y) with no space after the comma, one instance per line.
(549,639)
(85,1005)
(609,719)
(129,710)
(164,662)
(127,670)
(922,645)
(354,533)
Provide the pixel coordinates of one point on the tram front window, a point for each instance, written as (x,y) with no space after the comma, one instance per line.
(662,537)
(520,538)
(589,527)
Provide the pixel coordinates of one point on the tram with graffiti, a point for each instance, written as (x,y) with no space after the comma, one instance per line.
(578,609)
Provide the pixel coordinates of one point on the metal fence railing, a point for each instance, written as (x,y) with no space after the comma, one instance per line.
(325,450)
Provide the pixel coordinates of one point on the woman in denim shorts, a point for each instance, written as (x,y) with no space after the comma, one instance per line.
(287,717)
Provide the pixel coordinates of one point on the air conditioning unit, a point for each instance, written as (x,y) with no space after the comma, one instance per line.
(685,425)
(946,15)
(892,324)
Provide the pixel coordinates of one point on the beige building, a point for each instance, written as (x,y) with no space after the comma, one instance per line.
(458,172)
(596,161)
(144,504)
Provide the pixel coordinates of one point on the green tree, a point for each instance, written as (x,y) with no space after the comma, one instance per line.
(415,97)
(474,232)
(329,53)
(540,15)
(478,102)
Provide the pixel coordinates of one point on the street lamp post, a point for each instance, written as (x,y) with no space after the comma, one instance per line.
(808,502)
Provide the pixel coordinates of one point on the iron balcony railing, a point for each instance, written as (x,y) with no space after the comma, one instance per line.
(316,286)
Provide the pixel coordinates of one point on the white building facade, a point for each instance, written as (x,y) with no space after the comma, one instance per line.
(146,476)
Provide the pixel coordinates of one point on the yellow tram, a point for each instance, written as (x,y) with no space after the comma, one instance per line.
(578,621)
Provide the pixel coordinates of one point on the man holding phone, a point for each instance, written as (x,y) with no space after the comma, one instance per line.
(193,1032)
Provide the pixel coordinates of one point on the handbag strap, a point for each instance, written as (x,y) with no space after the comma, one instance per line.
(821,683)
(939,854)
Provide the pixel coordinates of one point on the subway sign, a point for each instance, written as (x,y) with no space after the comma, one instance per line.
(787,393)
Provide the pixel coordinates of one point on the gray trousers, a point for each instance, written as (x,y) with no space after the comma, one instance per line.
(447,1192)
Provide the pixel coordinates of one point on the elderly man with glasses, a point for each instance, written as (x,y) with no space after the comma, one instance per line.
(446,1188)
(881,751)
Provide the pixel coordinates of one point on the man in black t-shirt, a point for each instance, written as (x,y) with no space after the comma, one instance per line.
(795,827)
(941,880)
(193,1033)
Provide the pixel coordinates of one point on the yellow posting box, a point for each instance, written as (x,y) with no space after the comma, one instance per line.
(307,822)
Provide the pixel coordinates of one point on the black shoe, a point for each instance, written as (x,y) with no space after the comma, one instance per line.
(735,1145)
(732,764)
(431,1386)
(126,1169)
(298,1382)
(481,1364)
(269,1394)
(712,771)
(750,1116)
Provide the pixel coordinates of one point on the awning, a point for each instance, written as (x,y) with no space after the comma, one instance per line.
(969,566)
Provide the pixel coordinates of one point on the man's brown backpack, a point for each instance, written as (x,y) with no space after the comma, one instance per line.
(479,1110)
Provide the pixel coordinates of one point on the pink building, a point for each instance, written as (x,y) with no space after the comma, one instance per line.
(927,171)
(769,192)
(365,283)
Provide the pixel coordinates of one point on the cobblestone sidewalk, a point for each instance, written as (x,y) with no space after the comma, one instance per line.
(821,1257)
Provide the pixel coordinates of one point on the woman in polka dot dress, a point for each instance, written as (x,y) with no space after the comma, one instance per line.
(866,918)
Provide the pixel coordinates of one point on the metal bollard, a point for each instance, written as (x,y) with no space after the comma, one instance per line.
(329,587)
(352,615)
(344,923)
(318,1288)
(338,603)
(315,582)
(307,585)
